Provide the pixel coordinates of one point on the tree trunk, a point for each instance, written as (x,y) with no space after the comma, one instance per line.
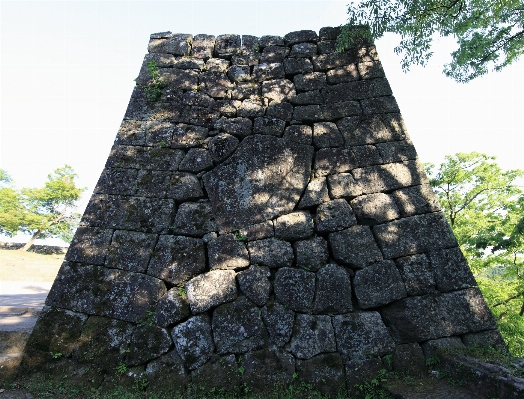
(31,241)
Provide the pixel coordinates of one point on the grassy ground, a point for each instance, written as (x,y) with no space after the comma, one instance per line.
(28,266)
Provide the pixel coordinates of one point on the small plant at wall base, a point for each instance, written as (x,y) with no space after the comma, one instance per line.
(154,88)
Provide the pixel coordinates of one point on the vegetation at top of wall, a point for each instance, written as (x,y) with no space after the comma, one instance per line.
(490,36)
(43,212)
(154,88)
(485,208)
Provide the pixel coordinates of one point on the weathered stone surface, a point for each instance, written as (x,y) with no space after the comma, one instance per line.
(397,151)
(355,247)
(359,130)
(282,111)
(152,183)
(325,372)
(254,283)
(271,252)
(378,284)
(227,45)
(347,73)
(417,273)
(491,338)
(409,359)
(303,50)
(294,226)
(179,79)
(268,125)
(366,155)
(333,290)
(184,187)
(311,254)
(220,374)
(379,105)
(251,108)
(300,134)
(177,259)
(211,289)
(357,90)
(117,181)
(157,158)
(239,73)
(330,61)
(188,63)
(239,127)
(414,235)
(274,54)
(331,112)
(265,71)
(434,346)
(217,65)
(295,288)
(334,215)
(451,270)
(316,193)
(196,160)
(194,219)
(307,113)
(238,327)
(361,370)
(294,66)
(421,318)
(177,44)
(194,341)
(245,90)
(279,322)
(360,335)
(300,36)
(99,291)
(310,81)
(327,46)
(375,208)
(343,185)
(203,46)
(187,136)
(416,200)
(264,178)
(214,84)
(267,369)
(307,98)
(171,308)
(326,134)
(258,231)
(167,374)
(312,335)
(226,252)
(147,343)
(389,177)
(89,245)
(226,107)
(268,40)
(278,90)
(130,250)
(333,160)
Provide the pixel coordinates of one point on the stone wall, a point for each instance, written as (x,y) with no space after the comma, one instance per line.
(265,218)
(37,248)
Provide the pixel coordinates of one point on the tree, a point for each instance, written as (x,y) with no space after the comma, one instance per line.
(42,212)
(485,208)
(490,35)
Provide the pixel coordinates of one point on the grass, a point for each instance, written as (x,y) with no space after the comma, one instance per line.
(28,266)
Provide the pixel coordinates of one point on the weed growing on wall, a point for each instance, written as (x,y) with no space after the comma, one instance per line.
(154,89)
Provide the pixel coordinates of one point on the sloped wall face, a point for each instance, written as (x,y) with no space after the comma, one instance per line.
(263,217)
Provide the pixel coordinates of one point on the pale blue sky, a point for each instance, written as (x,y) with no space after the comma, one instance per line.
(67,70)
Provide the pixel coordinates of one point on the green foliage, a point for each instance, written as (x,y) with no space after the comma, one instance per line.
(490,35)
(372,389)
(154,88)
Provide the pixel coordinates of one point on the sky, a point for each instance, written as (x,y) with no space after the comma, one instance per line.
(67,70)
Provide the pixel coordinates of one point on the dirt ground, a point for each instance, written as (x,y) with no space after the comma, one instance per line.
(28,266)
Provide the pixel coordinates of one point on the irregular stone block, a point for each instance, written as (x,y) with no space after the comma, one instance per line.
(303,50)
(239,73)
(334,215)
(255,284)
(216,65)
(379,105)
(355,247)
(326,134)
(268,40)
(417,273)
(375,208)
(325,372)
(274,54)
(293,66)
(177,44)
(294,226)
(333,293)
(360,335)
(389,177)
(327,46)
(310,81)
(341,109)
(226,107)
(279,322)
(378,285)
(307,113)
(268,369)
(131,132)
(147,343)
(361,370)
(211,289)
(311,254)
(366,155)
(89,245)
(188,63)
(251,108)
(300,134)
(333,160)
(177,259)
(184,187)
(117,181)
(343,185)
(278,90)
(331,61)
(196,160)
(226,252)
(240,127)
(316,193)
(269,126)
(359,130)
(295,288)
(282,111)
(416,234)
(270,252)
(434,346)
(215,84)
(491,338)
(451,270)
(187,136)
(312,335)
(227,45)
(95,290)
(171,308)
(238,327)
(257,231)
(344,74)
(194,219)
(203,46)
(371,69)
(329,33)
(157,158)
(416,200)
(179,79)
(218,375)
(409,359)
(307,98)
(421,318)
(194,341)
(167,374)
(263,179)
(357,90)
(130,250)
(300,36)
(152,183)
(264,71)
(397,151)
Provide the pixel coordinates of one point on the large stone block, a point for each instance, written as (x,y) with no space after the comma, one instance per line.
(355,247)
(417,273)
(194,219)
(137,157)
(130,250)
(316,193)
(279,322)
(218,375)
(117,181)
(295,66)
(325,372)
(194,341)
(177,44)
(227,45)
(300,36)
(330,161)
(239,127)
(375,208)
(226,252)
(263,179)
(294,226)
(271,252)
(268,369)
(311,254)
(416,200)
(268,125)
(254,283)
(171,308)
(326,134)
(334,215)
(187,136)
(265,71)
(211,289)
(184,186)
(451,270)
(358,130)
(278,90)
(89,245)
(333,290)
(343,185)
(167,374)
(147,343)
(312,335)
(295,288)
(274,54)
